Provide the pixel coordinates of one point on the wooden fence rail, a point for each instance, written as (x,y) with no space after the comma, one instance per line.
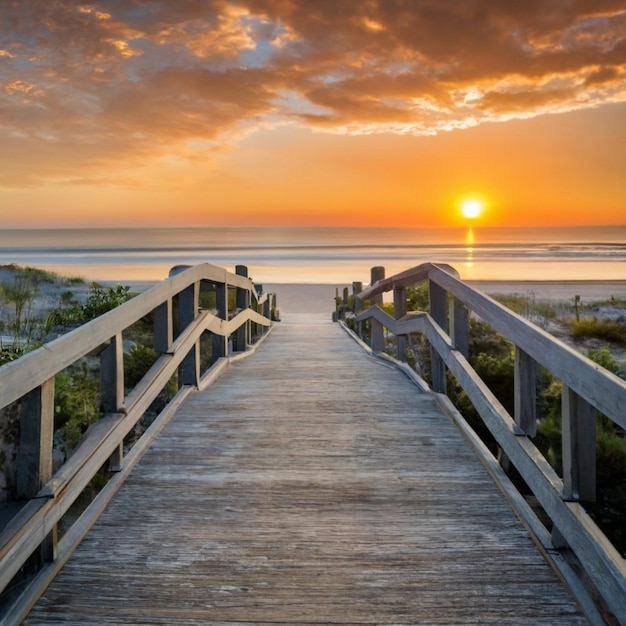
(587,388)
(179,324)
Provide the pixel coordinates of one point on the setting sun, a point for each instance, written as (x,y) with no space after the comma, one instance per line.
(471,209)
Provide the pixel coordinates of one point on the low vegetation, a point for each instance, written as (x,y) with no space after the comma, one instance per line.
(604,329)
(99,301)
(27,324)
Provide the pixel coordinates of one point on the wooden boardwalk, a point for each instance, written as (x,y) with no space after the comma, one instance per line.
(309,485)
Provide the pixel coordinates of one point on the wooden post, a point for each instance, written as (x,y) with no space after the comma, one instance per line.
(377,273)
(163,327)
(459,325)
(188,302)
(399,311)
(578,425)
(243,302)
(439,313)
(271,307)
(254,305)
(525,392)
(34,459)
(112,389)
(220,344)
(112,375)
(267,307)
(378,338)
(344,304)
(357,288)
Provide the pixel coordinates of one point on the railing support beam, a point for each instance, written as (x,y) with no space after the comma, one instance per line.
(399,311)
(220,344)
(525,392)
(357,288)
(378,337)
(578,422)
(439,312)
(459,325)
(34,461)
(188,302)
(112,388)
(243,302)
(112,375)
(163,327)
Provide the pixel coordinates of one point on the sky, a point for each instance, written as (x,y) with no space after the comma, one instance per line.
(301,112)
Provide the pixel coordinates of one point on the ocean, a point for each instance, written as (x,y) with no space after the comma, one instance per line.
(324,255)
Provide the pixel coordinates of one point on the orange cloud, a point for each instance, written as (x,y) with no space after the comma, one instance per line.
(95,91)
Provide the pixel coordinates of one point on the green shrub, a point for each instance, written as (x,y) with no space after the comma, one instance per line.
(137,362)
(594,328)
(76,400)
(19,295)
(604,358)
(99,301)
(485,340)
(36,275)
(11,353)
(527,306)
(418,298)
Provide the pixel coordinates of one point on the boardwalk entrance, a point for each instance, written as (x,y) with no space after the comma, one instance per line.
(299,489)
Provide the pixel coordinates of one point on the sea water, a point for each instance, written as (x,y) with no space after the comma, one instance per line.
(323,255)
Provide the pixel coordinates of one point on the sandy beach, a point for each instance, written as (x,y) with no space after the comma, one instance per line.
(294,298)
(320,298)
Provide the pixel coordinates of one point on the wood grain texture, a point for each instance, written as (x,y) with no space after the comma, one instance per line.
(279,496)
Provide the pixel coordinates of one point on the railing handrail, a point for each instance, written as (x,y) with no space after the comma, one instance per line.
(599,387)
(587,387)
(33,369)
(50,496)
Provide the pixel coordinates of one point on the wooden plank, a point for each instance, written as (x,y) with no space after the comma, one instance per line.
(280,495)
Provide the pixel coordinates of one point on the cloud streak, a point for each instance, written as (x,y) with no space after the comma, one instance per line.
(87,88)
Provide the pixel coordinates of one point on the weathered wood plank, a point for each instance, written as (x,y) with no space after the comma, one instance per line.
(279,496)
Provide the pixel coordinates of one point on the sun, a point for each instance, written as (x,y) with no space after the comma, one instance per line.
(471,209)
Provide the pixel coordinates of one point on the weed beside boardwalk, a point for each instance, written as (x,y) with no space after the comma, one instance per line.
(609,330)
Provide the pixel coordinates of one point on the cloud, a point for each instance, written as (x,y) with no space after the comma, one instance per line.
(101,85)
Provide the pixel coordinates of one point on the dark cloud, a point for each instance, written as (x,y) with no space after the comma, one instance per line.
(108,82)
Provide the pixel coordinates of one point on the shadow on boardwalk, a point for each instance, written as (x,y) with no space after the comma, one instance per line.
(310,484)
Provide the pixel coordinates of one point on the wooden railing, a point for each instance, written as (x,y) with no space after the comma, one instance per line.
(30,538)
(587,388)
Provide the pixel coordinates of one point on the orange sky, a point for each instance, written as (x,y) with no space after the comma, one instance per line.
(297,112)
